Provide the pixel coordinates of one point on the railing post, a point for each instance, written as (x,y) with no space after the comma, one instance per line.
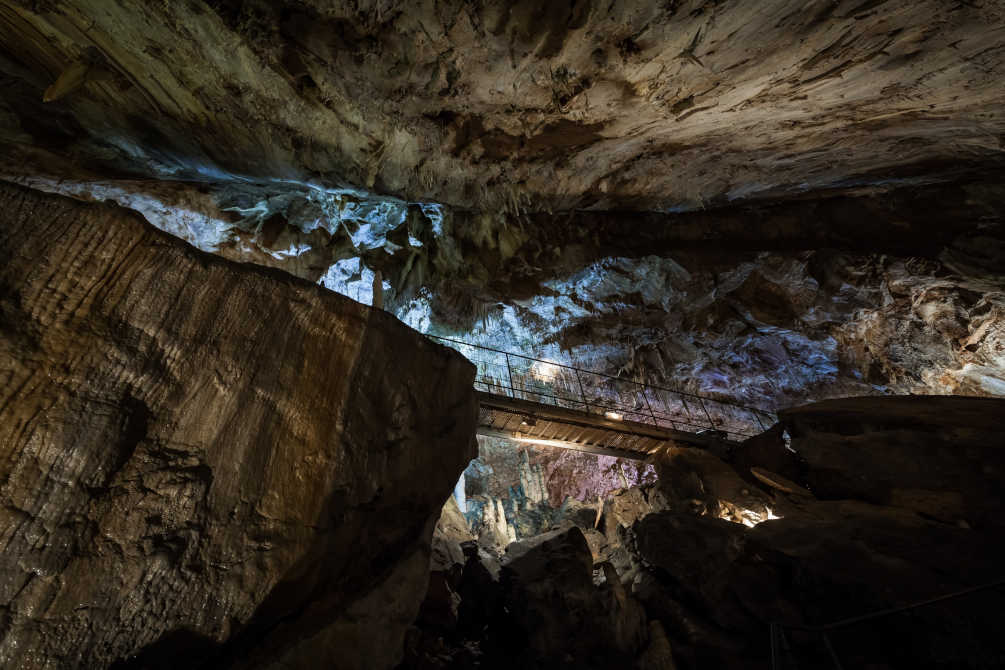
(582,392)
(673,424)
(711,424)
(830,650)
(773,636)
(509,371)
(649,405)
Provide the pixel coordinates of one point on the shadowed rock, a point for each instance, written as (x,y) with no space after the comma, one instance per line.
(209,458)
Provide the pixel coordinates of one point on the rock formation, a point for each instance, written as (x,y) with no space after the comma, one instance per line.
(941,457)
(205,463)
(514,493)
(698,565)
(517,105)
(769,203)
(776,204)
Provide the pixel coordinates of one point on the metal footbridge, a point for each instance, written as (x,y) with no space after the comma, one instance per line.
(535,401)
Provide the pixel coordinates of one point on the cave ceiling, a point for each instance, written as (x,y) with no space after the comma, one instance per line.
(771,201)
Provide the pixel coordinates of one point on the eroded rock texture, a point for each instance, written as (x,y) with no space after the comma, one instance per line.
(941,457)
(206,463)
(500,105)
(775,203)
(842,527)
(513,492)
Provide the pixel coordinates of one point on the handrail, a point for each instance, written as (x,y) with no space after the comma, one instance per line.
(604,375)
(678,409)
(776,628)
(895,610)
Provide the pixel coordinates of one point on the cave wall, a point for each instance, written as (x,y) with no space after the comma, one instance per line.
(513,106)
(514,491)
(206,462)
(862,291)
(490,159)
(847,508)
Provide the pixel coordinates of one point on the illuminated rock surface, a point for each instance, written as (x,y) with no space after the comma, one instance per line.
(771,203)
(519,106)
(206,463)
(731,198)
(710,588)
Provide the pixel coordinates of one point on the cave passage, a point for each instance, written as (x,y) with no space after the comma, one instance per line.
(441,335)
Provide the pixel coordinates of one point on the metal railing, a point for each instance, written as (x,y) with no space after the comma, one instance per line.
(526,378)
(782,650)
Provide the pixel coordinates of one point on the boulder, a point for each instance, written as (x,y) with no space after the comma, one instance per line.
(658,655)
(717,585)
(553,614)
(450,533)
(203,463)
(698,480)
(942,456)
(767,451)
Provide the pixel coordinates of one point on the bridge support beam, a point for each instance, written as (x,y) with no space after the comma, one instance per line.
(565,444)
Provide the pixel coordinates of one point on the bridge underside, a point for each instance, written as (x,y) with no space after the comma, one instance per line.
(536,423)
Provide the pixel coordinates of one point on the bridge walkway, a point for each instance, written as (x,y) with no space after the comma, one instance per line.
(535,401)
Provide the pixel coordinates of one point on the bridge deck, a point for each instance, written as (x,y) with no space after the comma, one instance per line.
(544,402)
(536,423)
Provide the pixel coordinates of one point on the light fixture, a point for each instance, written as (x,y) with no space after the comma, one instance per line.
(615,416)
(528,421)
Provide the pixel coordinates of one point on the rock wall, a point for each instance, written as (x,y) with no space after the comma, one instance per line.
(513,106)
(729,198)
(204,463)
(690,572)
(943,458)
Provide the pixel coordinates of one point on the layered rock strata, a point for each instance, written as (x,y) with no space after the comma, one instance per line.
(845,526)
(204,462)
(517,106)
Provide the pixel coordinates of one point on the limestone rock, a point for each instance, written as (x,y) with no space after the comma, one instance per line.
(658,655)
(767,451)
(776,481)
(708,485)
(450,533)
(554,612)
(717,585)
(204,463)
(773,203)
(520,492)
(518,105)
(941,456)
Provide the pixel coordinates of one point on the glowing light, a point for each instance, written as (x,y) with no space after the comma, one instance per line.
(747,517)
(544,371)
(615,416)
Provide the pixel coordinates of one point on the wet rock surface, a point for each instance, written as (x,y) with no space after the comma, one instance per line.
(207,463)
